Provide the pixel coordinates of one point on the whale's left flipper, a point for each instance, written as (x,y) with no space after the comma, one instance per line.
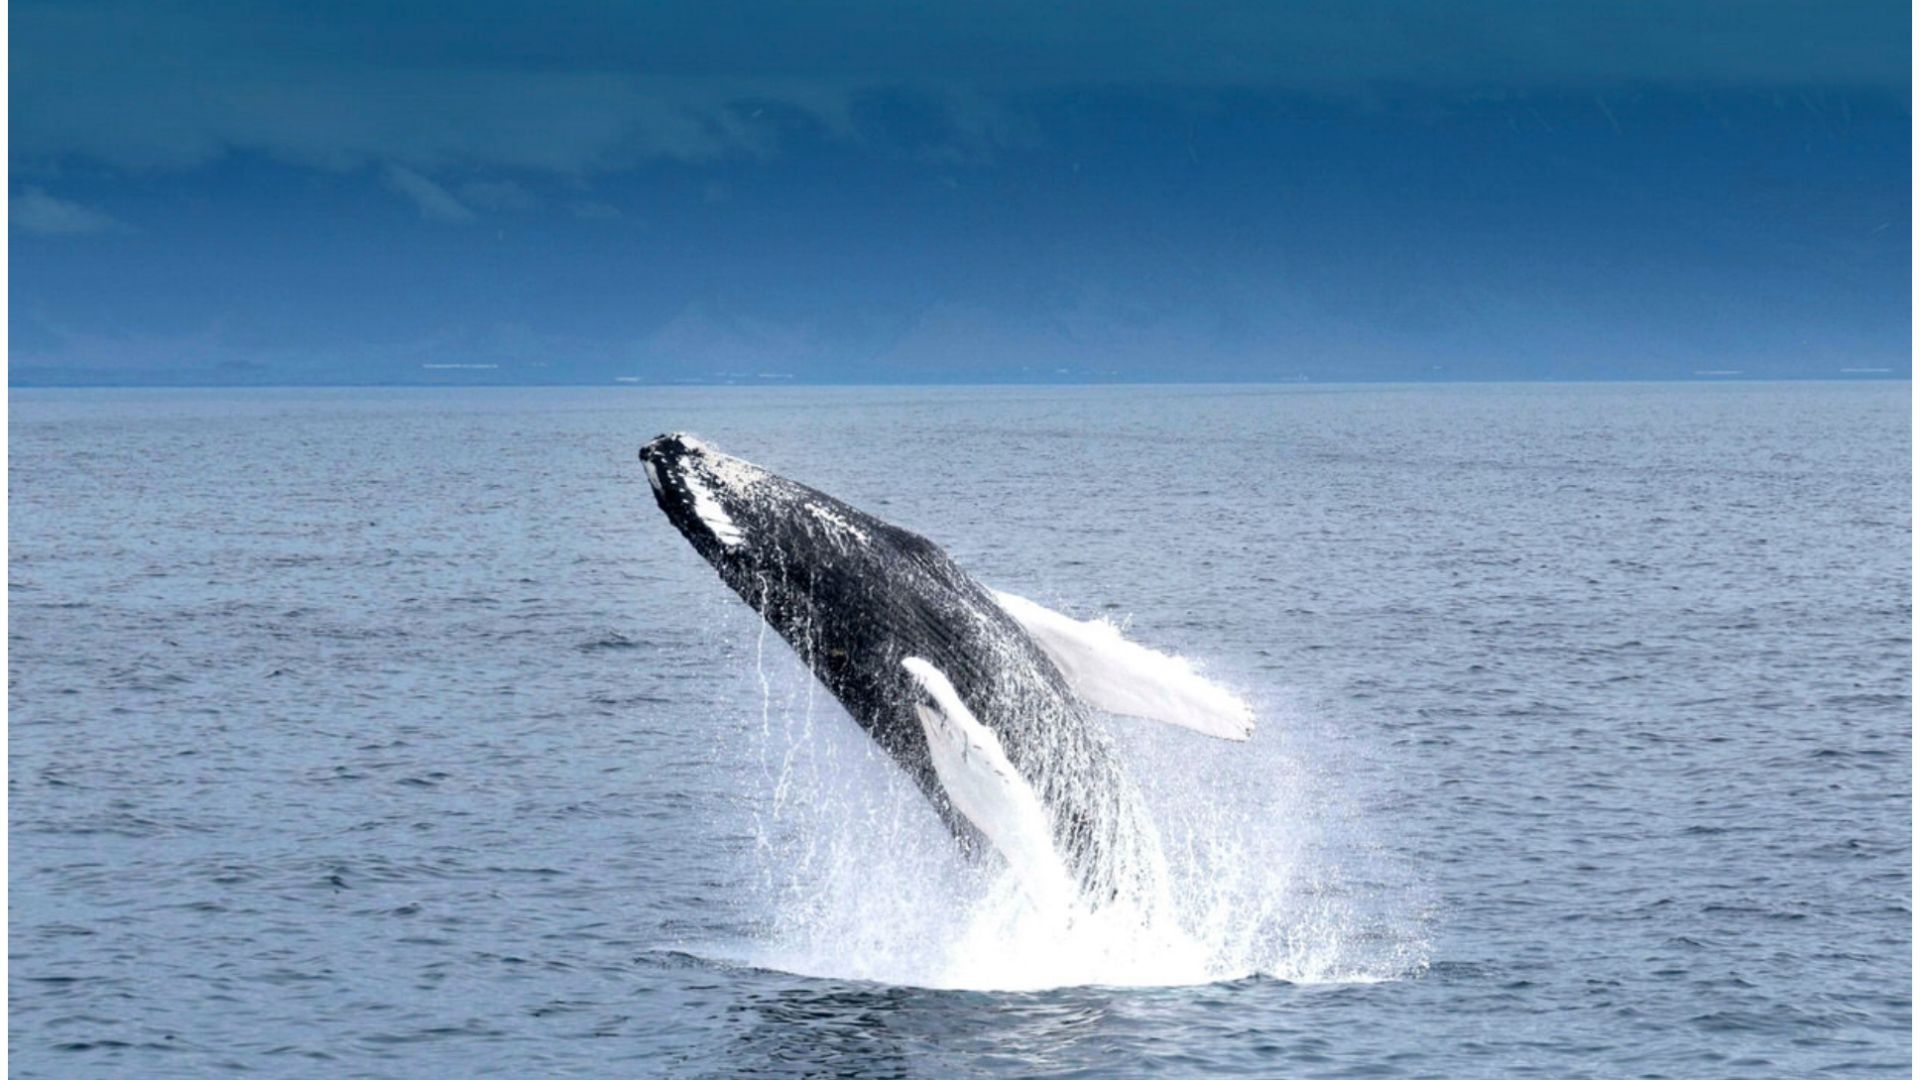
(1114,674)
(984,786)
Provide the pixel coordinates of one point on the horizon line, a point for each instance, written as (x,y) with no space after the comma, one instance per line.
(628,383)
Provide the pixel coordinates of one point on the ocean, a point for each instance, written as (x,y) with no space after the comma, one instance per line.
(395,733)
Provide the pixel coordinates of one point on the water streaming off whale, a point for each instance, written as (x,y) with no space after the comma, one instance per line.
(1261,865)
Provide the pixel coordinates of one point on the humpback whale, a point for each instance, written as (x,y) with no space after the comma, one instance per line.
(985,699)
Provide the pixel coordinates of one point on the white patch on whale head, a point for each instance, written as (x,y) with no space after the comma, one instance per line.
(653,475)
(712,514)
(741,479)
(837,525)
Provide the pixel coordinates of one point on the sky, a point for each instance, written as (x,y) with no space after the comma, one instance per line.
(267,192)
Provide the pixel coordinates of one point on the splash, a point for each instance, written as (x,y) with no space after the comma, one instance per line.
(1260,868)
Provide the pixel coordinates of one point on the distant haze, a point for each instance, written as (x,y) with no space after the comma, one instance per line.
(747,192)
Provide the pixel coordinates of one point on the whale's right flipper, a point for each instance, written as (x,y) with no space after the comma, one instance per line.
(984,786)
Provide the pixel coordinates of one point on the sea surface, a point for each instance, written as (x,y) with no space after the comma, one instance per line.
(395,733)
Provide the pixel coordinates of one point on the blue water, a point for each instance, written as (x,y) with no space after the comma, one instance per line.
(395,733)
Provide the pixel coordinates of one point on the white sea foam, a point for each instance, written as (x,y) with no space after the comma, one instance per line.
(1265,871)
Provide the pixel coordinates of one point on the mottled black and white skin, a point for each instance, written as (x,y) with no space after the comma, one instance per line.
(865,604)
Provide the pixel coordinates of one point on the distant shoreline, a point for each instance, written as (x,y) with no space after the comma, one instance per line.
(1704,378)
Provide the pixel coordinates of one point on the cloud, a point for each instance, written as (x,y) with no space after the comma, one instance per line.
(35,211)
(499,195)
(434,201)
(578,86)
(140,87)
(592,210)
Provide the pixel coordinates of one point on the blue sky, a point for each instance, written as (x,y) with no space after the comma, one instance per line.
(268,192)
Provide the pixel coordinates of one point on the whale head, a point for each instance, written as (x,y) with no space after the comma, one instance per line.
(749,522)
(840,585)
(719,503)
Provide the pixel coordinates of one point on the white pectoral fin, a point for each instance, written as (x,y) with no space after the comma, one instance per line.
(984,786)
(1117,676)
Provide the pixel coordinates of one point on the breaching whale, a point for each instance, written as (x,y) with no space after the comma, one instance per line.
(984,698)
